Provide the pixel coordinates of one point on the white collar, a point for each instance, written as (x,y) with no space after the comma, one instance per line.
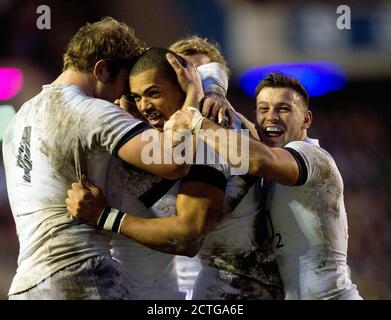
(312,141)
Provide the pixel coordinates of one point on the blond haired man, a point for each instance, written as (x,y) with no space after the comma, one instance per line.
(202,51)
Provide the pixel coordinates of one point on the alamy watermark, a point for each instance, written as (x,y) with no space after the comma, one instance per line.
(344,20)
(223,147)
(44,21)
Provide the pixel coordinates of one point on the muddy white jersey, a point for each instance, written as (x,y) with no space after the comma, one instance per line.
(309,228)
(237,261)
(151,274)
(54,138)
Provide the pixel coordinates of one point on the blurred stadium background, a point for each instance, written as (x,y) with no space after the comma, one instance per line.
(350,122)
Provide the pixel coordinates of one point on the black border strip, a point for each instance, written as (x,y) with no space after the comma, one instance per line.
(137,129)
(117,221)
(158,190)
(303,172)
(103,217)
(207,174)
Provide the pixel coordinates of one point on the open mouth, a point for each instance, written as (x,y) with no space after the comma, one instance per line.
(154,118)
(273,131)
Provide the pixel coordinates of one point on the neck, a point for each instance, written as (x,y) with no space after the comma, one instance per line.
(304,135)
(85,81)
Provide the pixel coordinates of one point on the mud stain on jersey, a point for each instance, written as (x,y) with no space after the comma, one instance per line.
(329,187)
(61,143)
(236,189)
(128,179)
(137,181)
(165,207)
(253,274)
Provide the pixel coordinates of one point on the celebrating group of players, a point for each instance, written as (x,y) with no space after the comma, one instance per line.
(96,221)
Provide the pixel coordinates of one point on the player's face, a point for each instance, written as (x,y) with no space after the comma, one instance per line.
(156,96)
(280,116)
(198,59)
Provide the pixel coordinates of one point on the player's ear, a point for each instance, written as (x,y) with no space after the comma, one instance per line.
(307,119)
(101,71)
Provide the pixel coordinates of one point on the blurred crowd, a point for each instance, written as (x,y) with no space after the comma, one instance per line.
(355,134)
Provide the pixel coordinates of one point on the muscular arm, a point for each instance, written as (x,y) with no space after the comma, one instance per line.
(275,164)
(199,205)
(136,152)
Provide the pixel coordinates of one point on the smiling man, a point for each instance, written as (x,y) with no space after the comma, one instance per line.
(155,90)
(302,191)
(308,221)
(167,216)
(278,109)
(192,215)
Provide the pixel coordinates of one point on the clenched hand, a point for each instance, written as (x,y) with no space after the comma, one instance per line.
(85,201)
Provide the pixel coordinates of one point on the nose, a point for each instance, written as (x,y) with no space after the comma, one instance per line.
(272,115)
(145,104)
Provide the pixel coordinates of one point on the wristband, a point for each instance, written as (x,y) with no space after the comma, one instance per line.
(111,219)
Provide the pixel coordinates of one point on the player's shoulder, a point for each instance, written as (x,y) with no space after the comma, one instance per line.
(207,160)
(318,162)
(99,103)
(75,96)
(309,147)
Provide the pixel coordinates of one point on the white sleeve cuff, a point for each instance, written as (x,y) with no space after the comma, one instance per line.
(214,77)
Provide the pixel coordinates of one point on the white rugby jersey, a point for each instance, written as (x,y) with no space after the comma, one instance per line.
(309,228)
(155,275)
(151,274)
(237,262)
(54,138)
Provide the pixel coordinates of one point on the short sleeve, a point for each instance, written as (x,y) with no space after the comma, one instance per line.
(315,164)
(208,167)
(205,155)
(105,125)
(206,174)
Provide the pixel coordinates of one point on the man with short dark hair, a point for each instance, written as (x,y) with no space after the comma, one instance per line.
(184,205)
(308,221)
(234,265)
(302,191)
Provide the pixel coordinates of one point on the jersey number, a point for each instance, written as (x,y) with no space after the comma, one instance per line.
(24,159)
(279,243)
(274,235)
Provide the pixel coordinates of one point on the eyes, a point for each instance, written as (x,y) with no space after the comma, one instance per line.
(151,94)
(280,109)
(135,97)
